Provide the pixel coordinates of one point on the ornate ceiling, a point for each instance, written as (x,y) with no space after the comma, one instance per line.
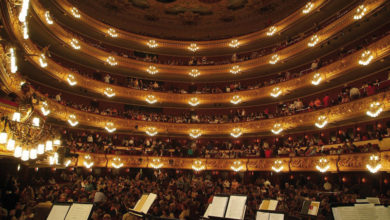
(189,19)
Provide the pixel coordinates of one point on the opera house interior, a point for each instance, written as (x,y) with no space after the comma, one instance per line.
(194,109)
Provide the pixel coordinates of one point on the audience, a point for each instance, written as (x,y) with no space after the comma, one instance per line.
(180,194)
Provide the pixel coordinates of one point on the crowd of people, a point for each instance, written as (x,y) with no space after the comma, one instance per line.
(340,142)
(180,195)
(345,95)
(234,86)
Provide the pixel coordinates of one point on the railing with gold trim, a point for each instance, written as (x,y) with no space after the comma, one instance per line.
(379,49)
(336,113)
(204,45)
(285,53)
(337,163)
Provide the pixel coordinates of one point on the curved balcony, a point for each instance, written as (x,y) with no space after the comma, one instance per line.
(339,113)
(333,71)
(186,60)
(337,163)
(181,46)
(250,65)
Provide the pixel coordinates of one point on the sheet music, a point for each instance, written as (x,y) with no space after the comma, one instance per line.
(276,216)
(314,207)
(148,203)
(206,213)
(218,206)
(272,205)
(236,207)
(361,200)
(382,212)
(374,200)
(138,206)
(58,212)
(262,216)
(264,205)
(79,211)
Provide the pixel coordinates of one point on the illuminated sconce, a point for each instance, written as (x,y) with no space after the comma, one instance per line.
(374,110)
(277,128)
(198,166)
(116,163)
(112,32)
(236,132)
(45,109)
(323,165)
(53,160)
(56,142)
(156,163)
(33,154)
(72,120)
(25,30)
(48,18)
(194,101)
(274,59)
(67,163)
(278,166)
(151,99)
(111,60)
(321,121)
(360,12)
(41,149)
(236,99)
(234,43)
(152,44)
(366,58)
(3,137)
(42,60)
(35,121)
(374,164)
(49,145)
(276,92)
(271,31)
(18,151)
(317,78)
(11,145)
(237,166)
(313,41)
(152,70)
(16,117)
(235,69)
(12,60)
(75,44)
(88,163)
(75,12)
(193,47)
(151,131)
(194,73)
(71,80)
(109,92)
(195,133)
(110,127)
(308,7)
(25,155)
(24,10)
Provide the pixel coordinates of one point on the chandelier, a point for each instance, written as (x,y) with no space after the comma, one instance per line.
(195,133)
(278,166)
(26,134)
(156,163)
(48,18)
(116,163)
(317,78)
(374,110)
(276,92)
(198,166)
(374,164)
(321,121)
(112,32)
(277,128)
(236,132)
(323,165)
(237,166)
